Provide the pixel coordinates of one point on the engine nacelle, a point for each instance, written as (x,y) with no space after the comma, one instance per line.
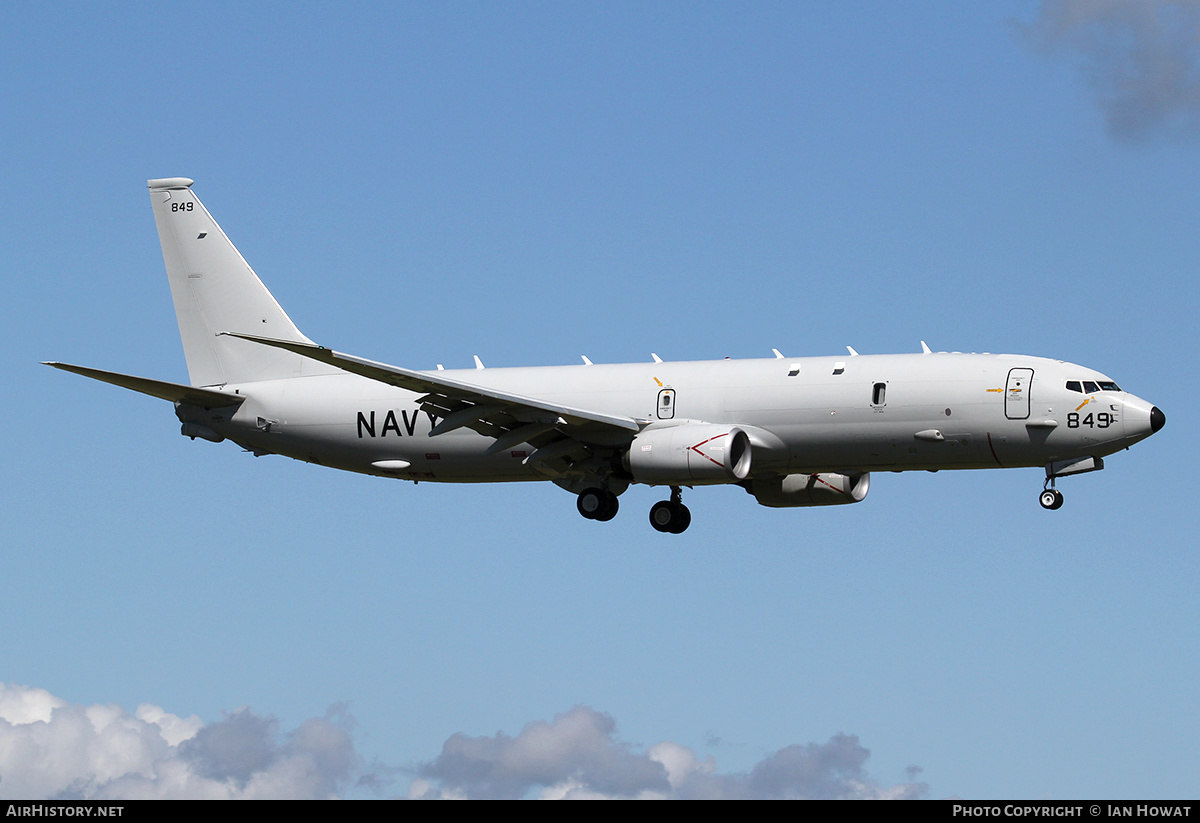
(690,454)
(823,489)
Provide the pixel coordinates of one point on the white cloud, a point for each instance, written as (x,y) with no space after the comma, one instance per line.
(577,755)
(579,742)
(52,749)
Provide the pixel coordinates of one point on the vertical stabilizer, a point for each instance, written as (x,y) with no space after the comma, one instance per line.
(215,291)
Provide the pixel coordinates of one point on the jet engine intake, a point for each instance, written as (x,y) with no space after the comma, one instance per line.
(821,489)
(690,454)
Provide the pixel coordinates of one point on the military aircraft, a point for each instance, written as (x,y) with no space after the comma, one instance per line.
(791,431)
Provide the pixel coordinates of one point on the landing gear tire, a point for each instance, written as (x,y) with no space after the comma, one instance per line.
(597,504)
(670,517)
(1051,499)
(685,519)
(611,511)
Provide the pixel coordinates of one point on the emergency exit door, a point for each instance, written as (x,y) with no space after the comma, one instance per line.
(1016,394)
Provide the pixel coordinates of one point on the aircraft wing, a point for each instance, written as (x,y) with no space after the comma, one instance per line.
(510,418)
(175,392)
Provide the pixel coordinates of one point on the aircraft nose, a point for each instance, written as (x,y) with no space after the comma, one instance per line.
(1142,419)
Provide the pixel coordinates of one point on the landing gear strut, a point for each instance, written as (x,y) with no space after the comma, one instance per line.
(1050,498)
(597,504)
(671,516)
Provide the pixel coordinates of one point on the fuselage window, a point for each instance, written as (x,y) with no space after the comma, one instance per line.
(878,394)
(1074,385)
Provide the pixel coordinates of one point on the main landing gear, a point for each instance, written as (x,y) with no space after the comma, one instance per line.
(597,504)
(671,516)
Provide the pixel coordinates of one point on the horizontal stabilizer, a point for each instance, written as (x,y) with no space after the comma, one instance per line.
(174,392)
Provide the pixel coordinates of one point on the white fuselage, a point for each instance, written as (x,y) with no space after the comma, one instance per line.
(804,415)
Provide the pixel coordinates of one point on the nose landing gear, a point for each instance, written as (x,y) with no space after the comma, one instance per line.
(1051,499)
(671,516)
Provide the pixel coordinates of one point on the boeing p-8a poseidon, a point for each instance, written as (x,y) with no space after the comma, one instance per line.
(790,431)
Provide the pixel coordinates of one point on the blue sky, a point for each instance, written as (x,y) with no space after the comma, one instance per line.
(529,182)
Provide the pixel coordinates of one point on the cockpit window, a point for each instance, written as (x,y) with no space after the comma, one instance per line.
(1091,386)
